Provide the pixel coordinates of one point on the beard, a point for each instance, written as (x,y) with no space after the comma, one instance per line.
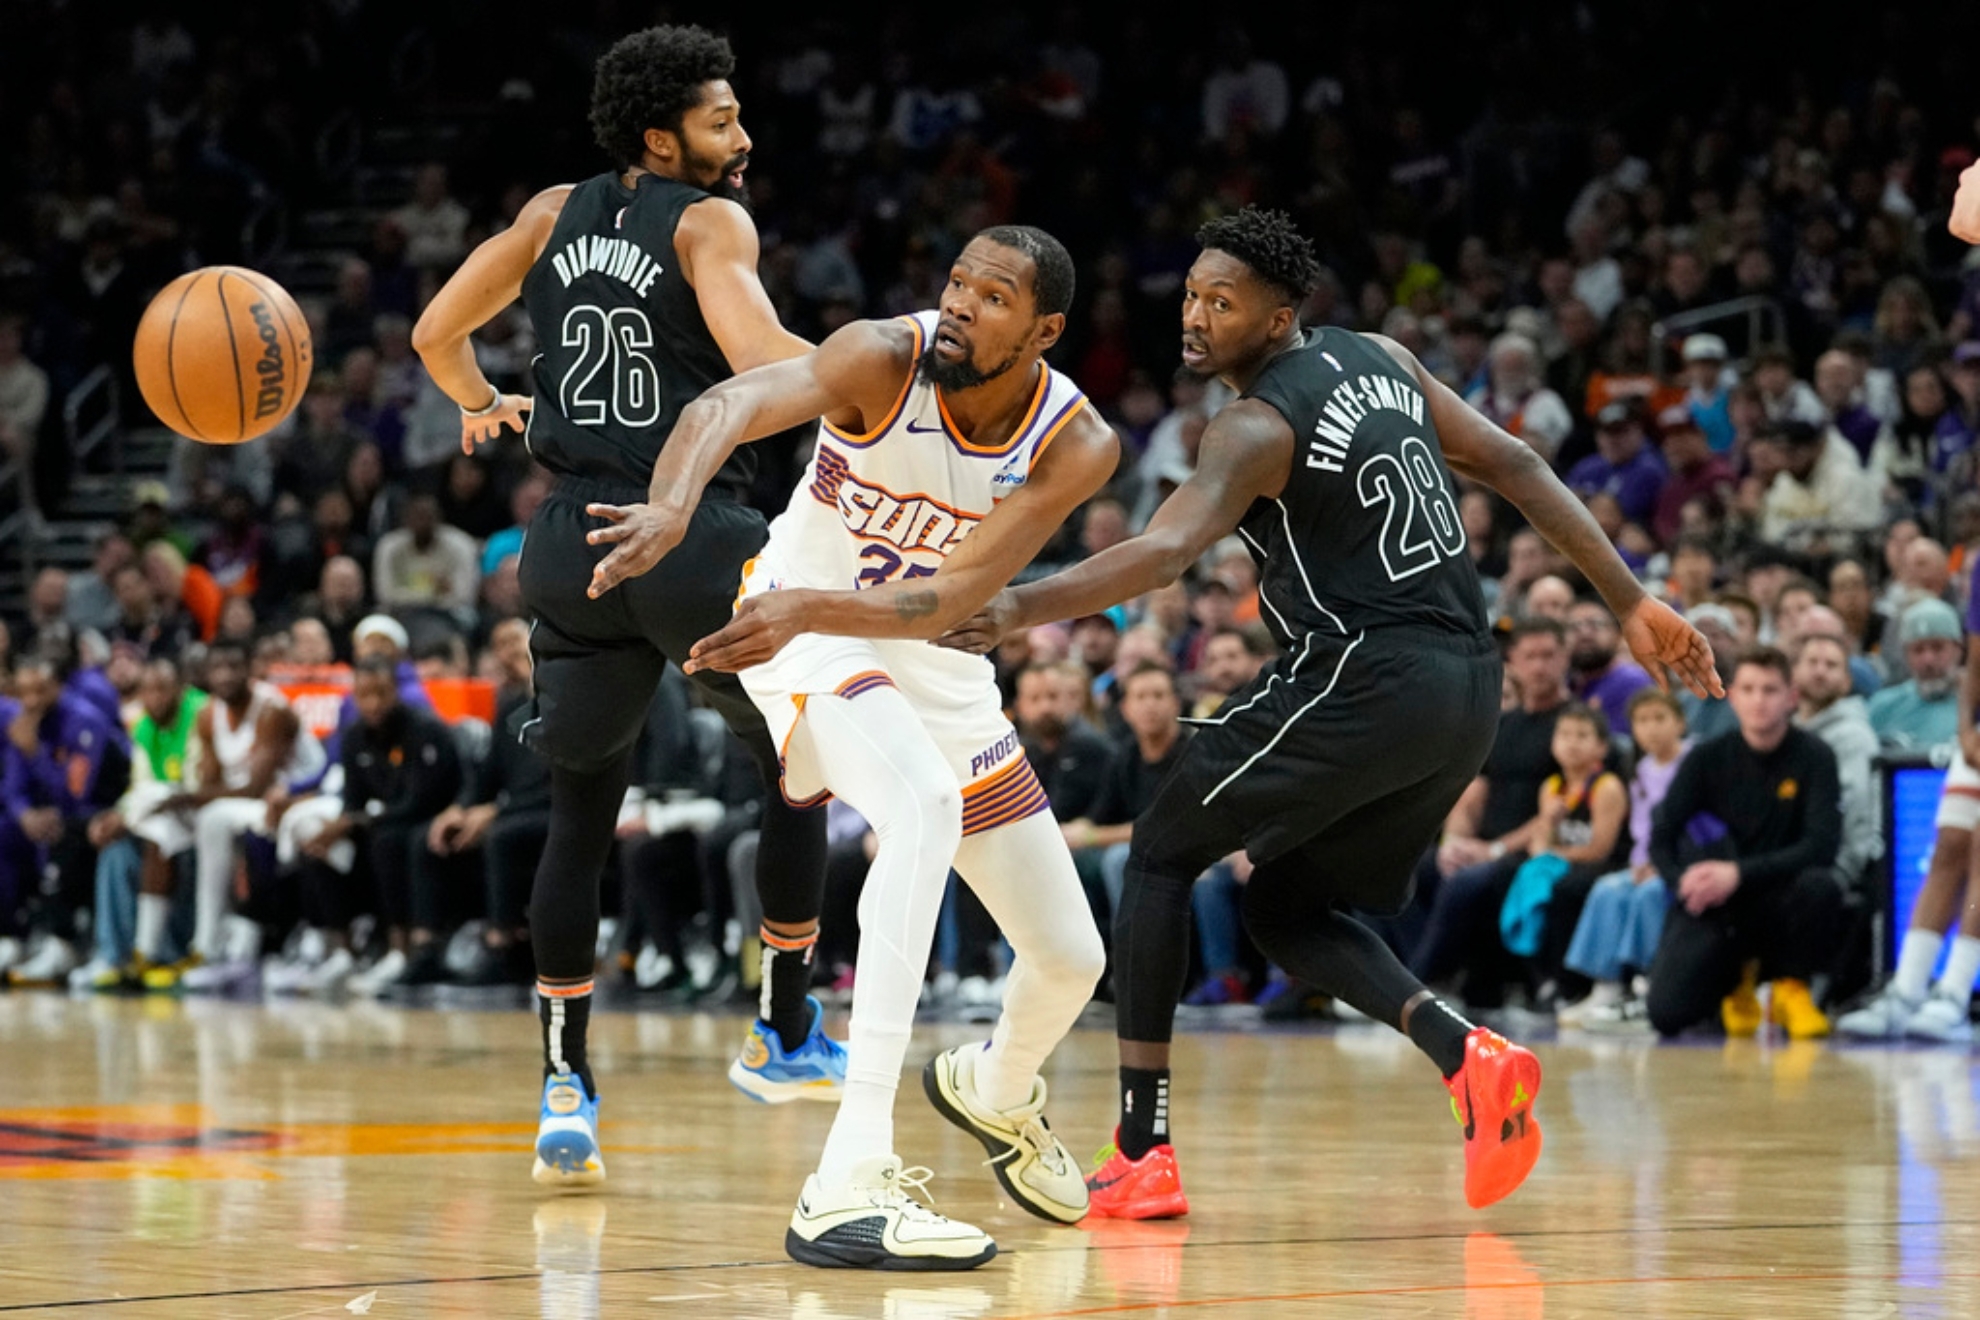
(735,192)
(1936,689)
(1587,660)
(954,377)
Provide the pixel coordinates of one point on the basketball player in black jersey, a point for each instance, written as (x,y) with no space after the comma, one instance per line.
(1336,767)
(641,285)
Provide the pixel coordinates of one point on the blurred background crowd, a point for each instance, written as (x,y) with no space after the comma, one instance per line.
(1695,255)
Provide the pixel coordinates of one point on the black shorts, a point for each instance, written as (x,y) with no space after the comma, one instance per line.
(598,662)
(1343,760)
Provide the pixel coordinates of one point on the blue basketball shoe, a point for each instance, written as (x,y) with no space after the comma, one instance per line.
(567,1135)
(815,1070)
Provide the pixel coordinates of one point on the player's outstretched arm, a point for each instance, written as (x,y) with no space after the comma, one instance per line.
(1246,453)
(857,372)
(718,248)
(1662,642)
(490,279)
(1079,461)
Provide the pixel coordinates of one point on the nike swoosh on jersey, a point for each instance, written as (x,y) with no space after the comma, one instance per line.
(923,430)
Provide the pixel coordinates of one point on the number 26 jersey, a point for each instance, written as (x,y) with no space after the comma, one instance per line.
(1366,533)
(622,346)
(892,503)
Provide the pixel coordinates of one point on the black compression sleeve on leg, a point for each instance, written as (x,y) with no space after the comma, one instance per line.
(1151,950)
(790,861)
(1339,956)
(563,908)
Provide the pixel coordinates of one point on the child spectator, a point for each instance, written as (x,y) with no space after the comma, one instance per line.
(1624,915)
(1576,834)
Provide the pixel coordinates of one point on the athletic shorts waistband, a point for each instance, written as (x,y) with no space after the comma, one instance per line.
(587,489)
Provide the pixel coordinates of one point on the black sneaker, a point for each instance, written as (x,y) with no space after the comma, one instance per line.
(427,966)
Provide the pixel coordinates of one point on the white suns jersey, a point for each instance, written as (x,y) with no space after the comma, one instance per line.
(892,503)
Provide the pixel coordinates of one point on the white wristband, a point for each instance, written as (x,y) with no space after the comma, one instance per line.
(493,404)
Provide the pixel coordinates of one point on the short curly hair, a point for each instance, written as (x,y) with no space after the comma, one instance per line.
(1269,243)
(651,79)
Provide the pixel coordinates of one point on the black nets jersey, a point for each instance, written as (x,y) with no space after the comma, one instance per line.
(1366,533)
(622,343)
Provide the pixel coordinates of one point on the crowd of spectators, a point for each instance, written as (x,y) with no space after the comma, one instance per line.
(1723,306)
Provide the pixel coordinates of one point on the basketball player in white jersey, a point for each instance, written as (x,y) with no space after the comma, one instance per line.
(247,741)
(950,451)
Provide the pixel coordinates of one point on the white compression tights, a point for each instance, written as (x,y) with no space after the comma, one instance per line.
(874,753)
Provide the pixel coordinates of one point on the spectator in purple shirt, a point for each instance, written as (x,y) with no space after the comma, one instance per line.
(1624,464)
(62,765)
(1600,676)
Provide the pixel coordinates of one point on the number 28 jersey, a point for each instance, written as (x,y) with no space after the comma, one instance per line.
(622,343)
(894,502)
(1366,533)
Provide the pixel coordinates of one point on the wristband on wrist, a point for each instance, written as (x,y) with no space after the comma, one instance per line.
(493,404)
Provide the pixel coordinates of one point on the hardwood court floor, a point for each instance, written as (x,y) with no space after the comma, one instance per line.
(218,1160)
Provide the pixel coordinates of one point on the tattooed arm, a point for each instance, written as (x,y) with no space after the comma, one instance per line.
(1079,461)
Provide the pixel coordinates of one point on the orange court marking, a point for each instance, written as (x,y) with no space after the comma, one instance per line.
(183,1141)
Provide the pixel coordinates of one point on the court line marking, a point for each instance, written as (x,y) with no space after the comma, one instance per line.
(515,1277)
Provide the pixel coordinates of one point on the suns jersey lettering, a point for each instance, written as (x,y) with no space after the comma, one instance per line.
(894,502)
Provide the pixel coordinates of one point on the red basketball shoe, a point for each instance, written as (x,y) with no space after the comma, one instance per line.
(1492,1096)
(1147,1188)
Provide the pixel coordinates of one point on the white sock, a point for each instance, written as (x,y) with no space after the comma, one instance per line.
(152,909)
(864,1129)
(1003,1082)
(1956,982)
(1917,956)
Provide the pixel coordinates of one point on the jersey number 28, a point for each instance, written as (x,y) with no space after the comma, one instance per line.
(1420,523)
(609,341)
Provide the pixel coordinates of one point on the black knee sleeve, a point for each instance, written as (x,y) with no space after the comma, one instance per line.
(563,907)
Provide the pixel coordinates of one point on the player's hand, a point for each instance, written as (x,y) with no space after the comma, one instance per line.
(641,535)
(762,626)
(1664,644)
(480,430)
(980,633)
(1965,219)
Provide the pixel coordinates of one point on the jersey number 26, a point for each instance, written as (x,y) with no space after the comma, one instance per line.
(609,341)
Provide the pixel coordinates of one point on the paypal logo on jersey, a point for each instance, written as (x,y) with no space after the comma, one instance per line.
(1010,477)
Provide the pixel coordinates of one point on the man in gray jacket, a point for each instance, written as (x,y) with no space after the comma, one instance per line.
(1831,713)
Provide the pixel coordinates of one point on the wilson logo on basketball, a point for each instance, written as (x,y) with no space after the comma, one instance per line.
(271,369)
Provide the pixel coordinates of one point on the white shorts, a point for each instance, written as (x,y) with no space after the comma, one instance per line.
(955,694)
(1959,803)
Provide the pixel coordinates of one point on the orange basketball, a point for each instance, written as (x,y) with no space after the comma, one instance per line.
(222,354)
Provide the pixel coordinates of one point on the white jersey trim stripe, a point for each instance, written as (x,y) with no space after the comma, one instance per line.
(1273,741)
(866,438)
